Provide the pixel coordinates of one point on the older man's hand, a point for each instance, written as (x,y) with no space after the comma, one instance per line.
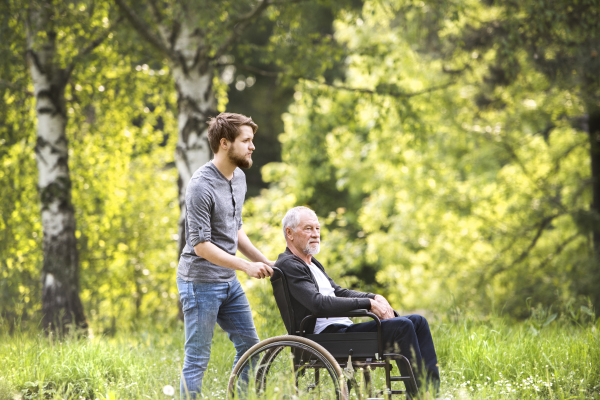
(381,307)
(376,309)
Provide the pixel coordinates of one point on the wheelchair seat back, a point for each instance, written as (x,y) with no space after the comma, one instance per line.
(362,345)
(283,300)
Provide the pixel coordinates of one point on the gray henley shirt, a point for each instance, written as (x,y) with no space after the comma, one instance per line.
(214,214)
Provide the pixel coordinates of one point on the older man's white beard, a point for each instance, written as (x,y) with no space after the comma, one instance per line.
(312,248)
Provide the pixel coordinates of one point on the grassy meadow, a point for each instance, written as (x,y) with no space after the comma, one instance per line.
(491,359)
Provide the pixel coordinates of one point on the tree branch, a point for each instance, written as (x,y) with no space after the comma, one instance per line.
(255,70)
(240,24)
(338,87)
(89,48)
(382,89)
(287,2)
(144,30)
(455,71)
(566,153)
(513,154)
(155,12)
(541,228)
(559,250)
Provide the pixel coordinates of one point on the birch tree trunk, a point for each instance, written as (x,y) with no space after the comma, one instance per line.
(196,102)
(61,304)
(183,42)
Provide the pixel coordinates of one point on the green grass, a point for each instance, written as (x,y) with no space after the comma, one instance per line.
(496,360)
(492,359)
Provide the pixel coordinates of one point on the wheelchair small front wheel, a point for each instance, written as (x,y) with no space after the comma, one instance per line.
(288,367)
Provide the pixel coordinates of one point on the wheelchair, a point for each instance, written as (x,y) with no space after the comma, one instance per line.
(317,366)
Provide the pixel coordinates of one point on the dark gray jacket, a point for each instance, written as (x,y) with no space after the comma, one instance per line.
(307,300)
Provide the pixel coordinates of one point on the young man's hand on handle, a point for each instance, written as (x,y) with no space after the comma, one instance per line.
(214,254)
(261,267)
(258,270)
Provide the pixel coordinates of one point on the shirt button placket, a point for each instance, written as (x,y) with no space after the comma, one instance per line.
(232,196)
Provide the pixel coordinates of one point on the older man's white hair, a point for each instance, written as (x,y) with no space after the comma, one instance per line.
(292,218)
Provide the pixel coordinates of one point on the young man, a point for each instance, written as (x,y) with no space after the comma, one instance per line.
(208,287)
(314,292)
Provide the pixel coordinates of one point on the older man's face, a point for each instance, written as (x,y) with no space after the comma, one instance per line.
(307,235)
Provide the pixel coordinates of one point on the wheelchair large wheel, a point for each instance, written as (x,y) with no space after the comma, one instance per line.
(288,367)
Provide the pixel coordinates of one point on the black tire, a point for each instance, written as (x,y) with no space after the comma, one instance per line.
(288,367)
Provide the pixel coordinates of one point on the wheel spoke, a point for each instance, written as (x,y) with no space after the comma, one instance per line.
(288,367)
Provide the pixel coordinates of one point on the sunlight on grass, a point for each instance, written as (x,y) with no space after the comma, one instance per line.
(492,360)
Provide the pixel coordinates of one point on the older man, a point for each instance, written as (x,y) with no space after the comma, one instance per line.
(314,292)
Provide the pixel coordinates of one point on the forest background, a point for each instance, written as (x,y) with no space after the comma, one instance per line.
(450,148)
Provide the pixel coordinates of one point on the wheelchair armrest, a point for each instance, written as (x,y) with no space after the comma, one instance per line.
(360,312)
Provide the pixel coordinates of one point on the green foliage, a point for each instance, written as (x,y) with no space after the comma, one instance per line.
(20,226)
(448,164)
(20,229)
(427,195)
(125,198)
(124,188)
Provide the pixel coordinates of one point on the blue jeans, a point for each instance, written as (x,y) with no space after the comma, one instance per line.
(204,305)
(410,336)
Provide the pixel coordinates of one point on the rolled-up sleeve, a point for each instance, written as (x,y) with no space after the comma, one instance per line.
(198,203)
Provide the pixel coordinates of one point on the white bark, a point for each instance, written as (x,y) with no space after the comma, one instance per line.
(192,68)
(196,103)
(60,280)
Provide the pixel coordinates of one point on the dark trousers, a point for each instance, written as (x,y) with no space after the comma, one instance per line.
(408,335)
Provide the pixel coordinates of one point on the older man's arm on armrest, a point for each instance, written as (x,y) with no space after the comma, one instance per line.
(379,304)
(343,292)
(303,289)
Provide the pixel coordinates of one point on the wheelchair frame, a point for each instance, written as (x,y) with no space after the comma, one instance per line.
(337,353)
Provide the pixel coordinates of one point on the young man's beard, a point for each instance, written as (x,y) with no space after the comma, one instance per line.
(239,161)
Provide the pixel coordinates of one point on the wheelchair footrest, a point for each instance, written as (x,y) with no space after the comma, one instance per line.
(400,378)
(389,392)
(409,380)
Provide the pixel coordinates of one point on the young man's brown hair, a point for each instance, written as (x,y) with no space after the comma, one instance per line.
(226,125)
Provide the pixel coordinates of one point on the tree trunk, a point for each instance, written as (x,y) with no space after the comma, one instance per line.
(594,134)
(61,304)
(192,65)
(196,102)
